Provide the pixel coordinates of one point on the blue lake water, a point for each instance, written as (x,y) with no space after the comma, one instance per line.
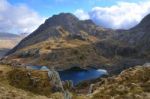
(80,75)
(75,74)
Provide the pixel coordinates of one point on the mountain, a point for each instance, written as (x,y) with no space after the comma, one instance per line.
(144,28)
(4,35)
(64,41)
(62,25)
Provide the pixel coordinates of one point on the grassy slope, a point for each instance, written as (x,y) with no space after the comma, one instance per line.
(10,92)
(61,53)
(64,53)
(133,83)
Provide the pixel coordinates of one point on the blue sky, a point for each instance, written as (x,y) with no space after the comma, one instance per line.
(50,7)
(18,16)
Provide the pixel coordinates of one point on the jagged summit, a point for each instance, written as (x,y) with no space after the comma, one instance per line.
(66,20)
(61,19)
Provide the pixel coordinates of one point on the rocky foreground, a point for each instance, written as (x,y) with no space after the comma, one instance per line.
(133,83)
(9,92)
(18,83)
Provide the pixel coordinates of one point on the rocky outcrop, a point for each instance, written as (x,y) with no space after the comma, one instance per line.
(133,83)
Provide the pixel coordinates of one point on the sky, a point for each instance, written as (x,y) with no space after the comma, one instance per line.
(21,16)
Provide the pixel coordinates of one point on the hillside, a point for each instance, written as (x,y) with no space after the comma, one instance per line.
(7,91)
(62,34)
(133,83)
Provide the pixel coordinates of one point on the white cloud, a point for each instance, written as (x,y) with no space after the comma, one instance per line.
(122,15)
(81,14)
(18,18)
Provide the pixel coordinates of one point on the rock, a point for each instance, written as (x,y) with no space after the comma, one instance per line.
(67,95)
(68,85)
(91,89)
(132,83)
(55,79)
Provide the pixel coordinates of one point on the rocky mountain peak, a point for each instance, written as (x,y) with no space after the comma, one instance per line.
(62,19)
(66,20)
(58,26)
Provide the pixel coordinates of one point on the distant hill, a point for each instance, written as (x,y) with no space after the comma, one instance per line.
(7,35)
(8,41)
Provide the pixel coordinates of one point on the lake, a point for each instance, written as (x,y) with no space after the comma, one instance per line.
(75,74)
(78,75)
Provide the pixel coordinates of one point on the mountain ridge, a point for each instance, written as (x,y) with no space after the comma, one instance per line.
(4,35)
